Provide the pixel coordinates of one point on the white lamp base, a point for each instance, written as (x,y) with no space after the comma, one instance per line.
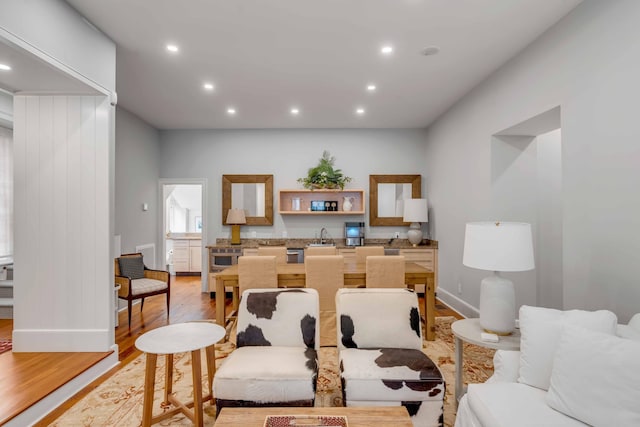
(414,234)
(497,305)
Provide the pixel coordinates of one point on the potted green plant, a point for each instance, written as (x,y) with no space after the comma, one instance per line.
(324,175)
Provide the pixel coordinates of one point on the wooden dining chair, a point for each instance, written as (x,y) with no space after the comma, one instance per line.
(255,272)
(362,252)
(385,271)
(320,250)
(325,273)
(280,252)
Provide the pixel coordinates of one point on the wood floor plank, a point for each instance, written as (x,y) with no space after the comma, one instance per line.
(25,378)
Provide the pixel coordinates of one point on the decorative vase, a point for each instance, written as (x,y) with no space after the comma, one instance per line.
(347,203)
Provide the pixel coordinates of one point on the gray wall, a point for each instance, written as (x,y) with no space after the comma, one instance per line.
(288,154)
(136,181)
(588,65)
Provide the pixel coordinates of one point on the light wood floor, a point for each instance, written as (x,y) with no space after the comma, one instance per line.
(39,374)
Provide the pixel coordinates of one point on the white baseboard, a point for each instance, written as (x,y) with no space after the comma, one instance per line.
(462,307)
(41,408)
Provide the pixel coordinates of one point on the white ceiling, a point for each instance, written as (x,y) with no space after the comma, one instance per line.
(266,56)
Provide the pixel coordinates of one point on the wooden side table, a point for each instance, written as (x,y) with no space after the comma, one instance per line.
(469,330)
(169,340)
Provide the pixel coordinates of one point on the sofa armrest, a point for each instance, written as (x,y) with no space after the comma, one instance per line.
(634,323)
(506,366)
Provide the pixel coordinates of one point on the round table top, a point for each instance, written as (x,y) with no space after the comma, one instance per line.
(180,338)
(469,330)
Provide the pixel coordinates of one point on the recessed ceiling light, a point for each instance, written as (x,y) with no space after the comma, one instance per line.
(5,67)
(295,111)
(231,111)
(371,87)
(360,111)
(430,50)
(172,48)
(208,86)
(386,50)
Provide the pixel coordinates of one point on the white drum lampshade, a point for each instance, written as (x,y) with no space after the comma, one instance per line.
(498,246)
(415,212)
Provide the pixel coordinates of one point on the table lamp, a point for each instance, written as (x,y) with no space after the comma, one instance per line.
(415,212)
(235,217)
(498,246)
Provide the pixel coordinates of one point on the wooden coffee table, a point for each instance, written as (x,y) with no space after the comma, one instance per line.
(396,416)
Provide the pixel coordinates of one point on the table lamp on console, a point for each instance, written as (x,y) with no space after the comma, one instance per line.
(415,212)
(498,246)
(236,217)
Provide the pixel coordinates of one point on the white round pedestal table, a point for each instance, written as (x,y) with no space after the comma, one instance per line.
(469,330)
(169,340)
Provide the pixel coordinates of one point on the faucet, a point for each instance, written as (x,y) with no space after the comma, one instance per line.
(323,234)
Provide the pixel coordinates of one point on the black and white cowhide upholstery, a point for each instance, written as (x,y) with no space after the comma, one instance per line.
(381,358)
(276,362)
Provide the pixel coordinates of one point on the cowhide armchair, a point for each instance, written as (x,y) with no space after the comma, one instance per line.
(276,361)
(380,351)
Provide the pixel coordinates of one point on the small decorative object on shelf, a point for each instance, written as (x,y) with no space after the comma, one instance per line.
(324,175)
(347,203)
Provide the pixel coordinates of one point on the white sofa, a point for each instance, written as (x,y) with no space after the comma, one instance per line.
(574,368)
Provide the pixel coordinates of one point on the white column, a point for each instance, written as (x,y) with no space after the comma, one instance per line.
(63,184)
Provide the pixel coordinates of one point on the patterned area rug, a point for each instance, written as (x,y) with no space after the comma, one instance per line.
(5,345)
(118,401)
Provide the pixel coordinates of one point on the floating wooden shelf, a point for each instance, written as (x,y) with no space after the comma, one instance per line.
(285,198)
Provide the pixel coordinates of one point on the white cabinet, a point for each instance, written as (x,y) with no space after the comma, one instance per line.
(181,256)
(187,255)
(195,256)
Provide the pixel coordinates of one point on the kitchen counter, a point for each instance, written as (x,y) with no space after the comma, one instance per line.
(184,236)
(301,243)
(425,255)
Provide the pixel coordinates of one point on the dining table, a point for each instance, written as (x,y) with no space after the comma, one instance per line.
(293,276)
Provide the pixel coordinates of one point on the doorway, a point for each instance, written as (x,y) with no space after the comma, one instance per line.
(183,232)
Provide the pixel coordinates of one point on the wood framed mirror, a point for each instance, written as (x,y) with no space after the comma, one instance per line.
(386,193)
(252,193)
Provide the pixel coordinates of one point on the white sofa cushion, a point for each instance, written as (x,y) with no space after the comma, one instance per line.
(541,329)
(506,366)
(596,378)
(267,374)
(628,331)
(514,404)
